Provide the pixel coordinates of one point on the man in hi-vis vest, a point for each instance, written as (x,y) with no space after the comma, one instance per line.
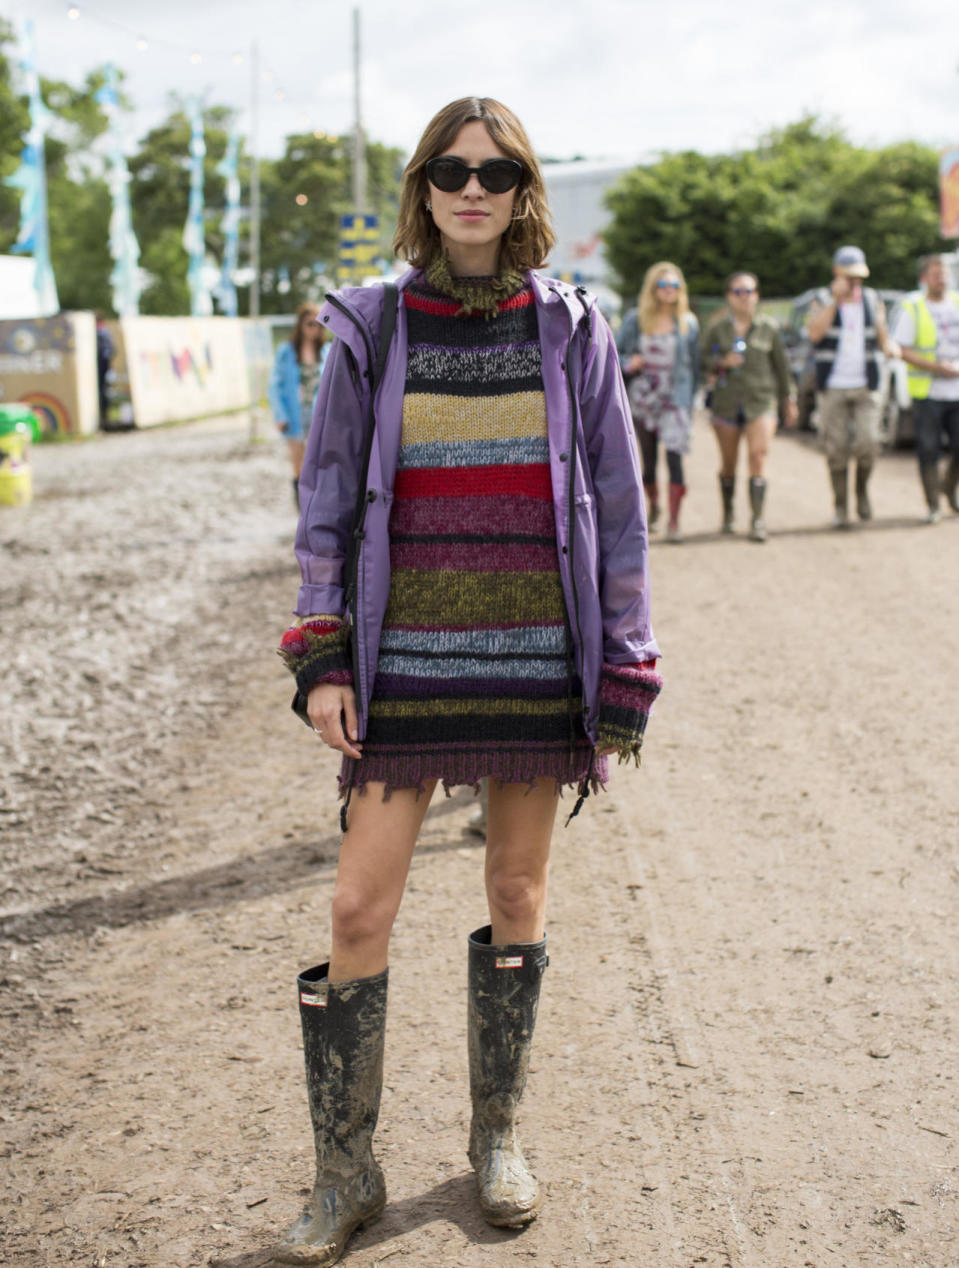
(927,326)
(847,327)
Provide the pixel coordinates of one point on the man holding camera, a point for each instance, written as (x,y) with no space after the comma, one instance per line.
(847,327)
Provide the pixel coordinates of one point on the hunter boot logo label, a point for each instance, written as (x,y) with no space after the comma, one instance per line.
(509,961)
(313,1000)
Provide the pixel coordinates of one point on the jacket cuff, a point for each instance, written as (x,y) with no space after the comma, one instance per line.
(315,650)
(626,698)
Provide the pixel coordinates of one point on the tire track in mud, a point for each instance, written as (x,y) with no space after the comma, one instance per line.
(687,1132)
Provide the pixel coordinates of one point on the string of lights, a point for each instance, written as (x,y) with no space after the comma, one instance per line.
(143,42)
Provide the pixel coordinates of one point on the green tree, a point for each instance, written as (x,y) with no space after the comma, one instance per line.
(779,210)
(304,193)
(160,197)
(14,122)
(78,200)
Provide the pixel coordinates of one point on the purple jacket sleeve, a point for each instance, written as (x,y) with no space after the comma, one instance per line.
(328,485)
(620,509)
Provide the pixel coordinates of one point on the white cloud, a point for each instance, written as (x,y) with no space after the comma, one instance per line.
(609,77)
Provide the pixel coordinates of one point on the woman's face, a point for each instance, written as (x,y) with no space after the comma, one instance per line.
(667,288)
(309,328)
(471,220)
(743,295)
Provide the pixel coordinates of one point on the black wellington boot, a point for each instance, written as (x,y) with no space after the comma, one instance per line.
(950,485)
(504,984)
(863,472)
(727,490)
(929,475)
(343,1030)
(840,495)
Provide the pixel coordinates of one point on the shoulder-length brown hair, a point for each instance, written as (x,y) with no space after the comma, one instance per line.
(527,241)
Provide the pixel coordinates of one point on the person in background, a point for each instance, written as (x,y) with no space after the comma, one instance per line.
(847,327)
(744,356)
(106,351)
(494,624)
(658,346)
(927,329)
(293,384)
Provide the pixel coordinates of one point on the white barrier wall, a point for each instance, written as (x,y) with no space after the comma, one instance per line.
(185,367)
(166,369)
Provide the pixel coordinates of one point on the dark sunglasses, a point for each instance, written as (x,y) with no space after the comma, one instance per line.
(742,290)
(497,176)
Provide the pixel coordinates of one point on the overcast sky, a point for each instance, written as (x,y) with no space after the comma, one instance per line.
(601,78)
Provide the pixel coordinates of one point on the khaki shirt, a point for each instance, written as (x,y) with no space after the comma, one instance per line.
(761,382)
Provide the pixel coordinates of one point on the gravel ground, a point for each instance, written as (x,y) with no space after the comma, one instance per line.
(746,1049)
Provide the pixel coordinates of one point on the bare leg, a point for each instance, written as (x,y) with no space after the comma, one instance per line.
(519,830)
(727,437)
(759,434)
(297,452)
(371,876)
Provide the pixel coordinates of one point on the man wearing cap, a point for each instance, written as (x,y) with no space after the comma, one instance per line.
(927,327)
(847,327)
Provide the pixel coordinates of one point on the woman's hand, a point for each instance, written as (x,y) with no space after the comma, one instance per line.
(635,363)
(332,713)
(608,751)
(790,413)
(732,360)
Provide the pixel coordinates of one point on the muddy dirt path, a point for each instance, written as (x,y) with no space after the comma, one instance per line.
(746,1055)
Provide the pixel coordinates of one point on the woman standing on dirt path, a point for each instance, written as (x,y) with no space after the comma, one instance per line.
(475,603)
(293,383)
(745,355)
(658,346)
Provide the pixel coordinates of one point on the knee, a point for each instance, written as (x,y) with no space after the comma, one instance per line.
(357,916)
(515,896)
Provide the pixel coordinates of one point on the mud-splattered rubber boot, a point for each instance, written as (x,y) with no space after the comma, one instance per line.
(343,1031)
(504,985)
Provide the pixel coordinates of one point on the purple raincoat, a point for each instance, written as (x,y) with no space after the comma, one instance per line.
(598,503)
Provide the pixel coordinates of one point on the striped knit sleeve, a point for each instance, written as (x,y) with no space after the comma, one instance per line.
(316,649)
(627,696)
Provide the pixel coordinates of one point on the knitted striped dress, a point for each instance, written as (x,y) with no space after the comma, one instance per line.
(474,676)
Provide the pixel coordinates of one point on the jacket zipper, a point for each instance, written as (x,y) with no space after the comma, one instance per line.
(571,498)
(352,596)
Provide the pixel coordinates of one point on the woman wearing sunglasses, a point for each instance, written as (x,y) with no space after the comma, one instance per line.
(658,346)
(743,352)
(496,625)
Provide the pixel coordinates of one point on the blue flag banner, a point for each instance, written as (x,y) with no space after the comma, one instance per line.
(31,179)
(359,246)
(126,278)
(194,239)
(225,290)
